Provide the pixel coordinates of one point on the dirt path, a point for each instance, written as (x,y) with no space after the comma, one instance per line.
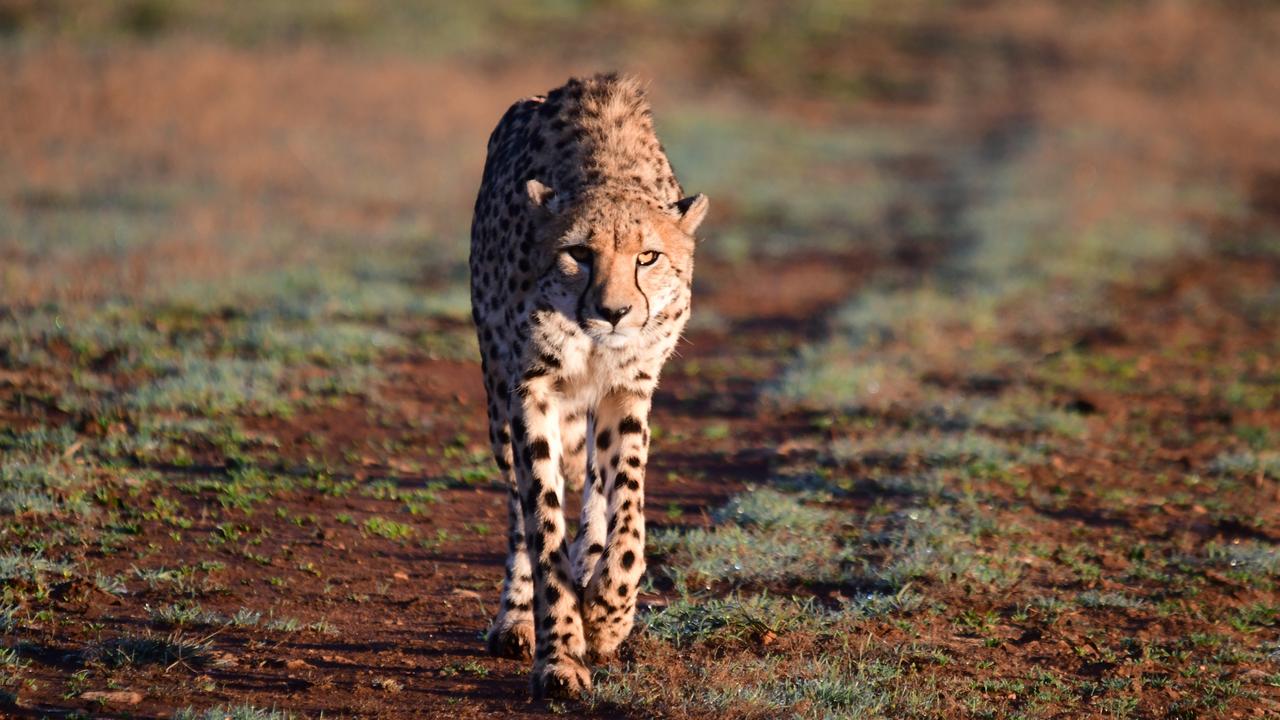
(391,627)
(366,583)
(714,439)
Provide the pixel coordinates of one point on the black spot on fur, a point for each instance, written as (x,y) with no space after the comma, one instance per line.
(630,426)
(628,559)
(550,499)
(539,449)
(603,440)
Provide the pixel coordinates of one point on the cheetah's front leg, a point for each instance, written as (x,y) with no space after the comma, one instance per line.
(622,442)
(559,668)
(589,544)
(511,634)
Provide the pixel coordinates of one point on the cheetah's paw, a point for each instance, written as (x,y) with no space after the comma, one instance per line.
(561,678)
(514,641)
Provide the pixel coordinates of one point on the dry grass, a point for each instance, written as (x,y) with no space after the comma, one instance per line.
(154,166)
(1190,84)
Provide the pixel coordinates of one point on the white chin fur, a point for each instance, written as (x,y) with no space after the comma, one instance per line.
(614,341)
(604,334)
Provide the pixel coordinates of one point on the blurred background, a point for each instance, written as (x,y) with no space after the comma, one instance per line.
(316,162)
(153,147)
(989,292)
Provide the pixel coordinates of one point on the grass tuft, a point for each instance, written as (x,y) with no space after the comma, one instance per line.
(232,712)
(143,650)
(1247,465)
(1094,599)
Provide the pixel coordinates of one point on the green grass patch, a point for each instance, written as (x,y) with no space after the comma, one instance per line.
(767,509)
(389,529)
(1247,465)
(232,712)
(744,619)
(1094,599)
(1250,561)
(842,680)
(32,569)
(763,536)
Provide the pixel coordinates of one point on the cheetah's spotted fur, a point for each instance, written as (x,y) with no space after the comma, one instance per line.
(581,271)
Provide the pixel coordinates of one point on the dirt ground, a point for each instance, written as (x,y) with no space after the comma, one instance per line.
(421,612)
(359,535)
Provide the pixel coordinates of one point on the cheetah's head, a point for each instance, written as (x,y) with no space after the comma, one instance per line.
(618,261)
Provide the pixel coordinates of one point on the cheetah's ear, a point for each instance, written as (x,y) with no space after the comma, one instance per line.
(541,196)
(692,211)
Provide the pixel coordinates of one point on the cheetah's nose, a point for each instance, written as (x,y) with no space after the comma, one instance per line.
(613,315)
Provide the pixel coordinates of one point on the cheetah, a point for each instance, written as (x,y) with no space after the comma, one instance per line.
(581,274)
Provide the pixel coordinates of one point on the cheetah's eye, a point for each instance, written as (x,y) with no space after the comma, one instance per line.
(647,257)
(581,253)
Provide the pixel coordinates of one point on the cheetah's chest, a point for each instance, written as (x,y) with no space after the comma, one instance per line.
(589,371)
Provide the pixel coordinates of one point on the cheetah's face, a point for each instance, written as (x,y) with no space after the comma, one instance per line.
(617,265)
